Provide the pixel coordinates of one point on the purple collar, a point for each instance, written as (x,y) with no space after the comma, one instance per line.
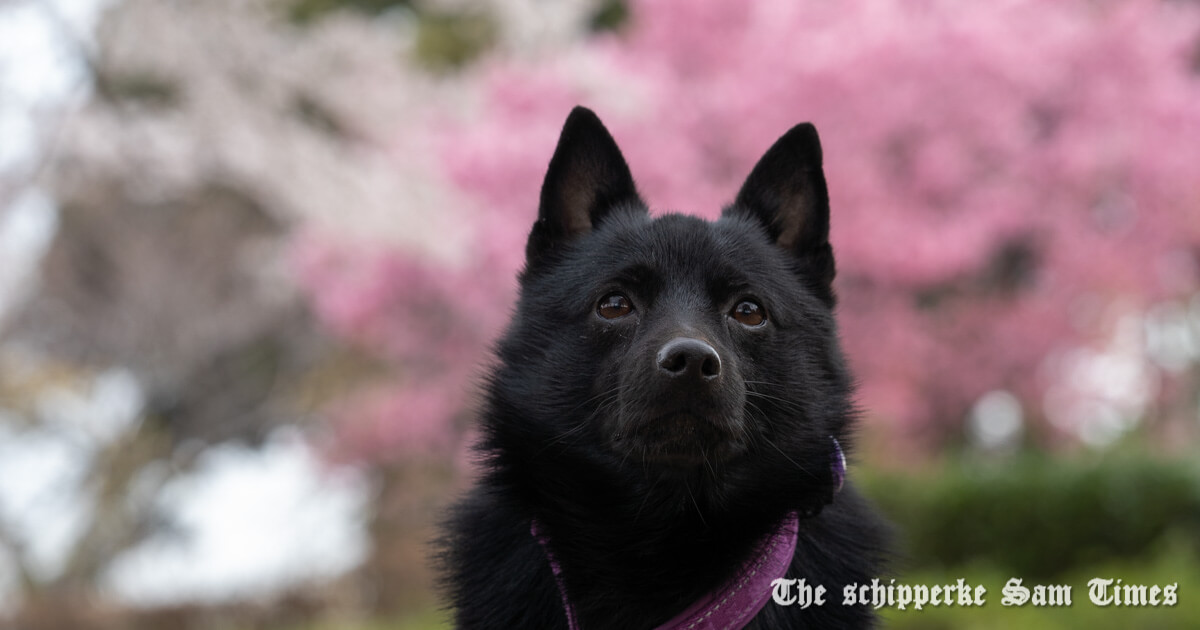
(734,604)
(727,608)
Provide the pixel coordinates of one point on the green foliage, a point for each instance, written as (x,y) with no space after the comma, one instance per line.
(610,15)
(306,11)
(431,619)
(446,41)
(1038,517)
(142,88)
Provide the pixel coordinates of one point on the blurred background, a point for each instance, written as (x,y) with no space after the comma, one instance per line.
(252,254)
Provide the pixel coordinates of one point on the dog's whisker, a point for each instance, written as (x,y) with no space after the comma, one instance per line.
(645,498)
(606,399)
(708,464)
(767,439)
(699,512)
(785,404)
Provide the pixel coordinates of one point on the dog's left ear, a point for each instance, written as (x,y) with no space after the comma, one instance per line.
(786,192)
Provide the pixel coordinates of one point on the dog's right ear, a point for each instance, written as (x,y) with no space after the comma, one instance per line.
(587,179)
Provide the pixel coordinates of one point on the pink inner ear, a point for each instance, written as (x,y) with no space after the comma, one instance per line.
(790,224)
(578,203)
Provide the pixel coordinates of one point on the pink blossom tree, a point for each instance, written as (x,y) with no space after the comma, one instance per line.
(1001,174)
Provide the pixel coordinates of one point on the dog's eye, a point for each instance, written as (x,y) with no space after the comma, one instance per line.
(749,313)
(614,305)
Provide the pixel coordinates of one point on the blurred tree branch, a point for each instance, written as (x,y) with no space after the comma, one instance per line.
(171,268)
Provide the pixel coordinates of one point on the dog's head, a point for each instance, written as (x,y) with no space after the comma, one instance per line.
(674,346)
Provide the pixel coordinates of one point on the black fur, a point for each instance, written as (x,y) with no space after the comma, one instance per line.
(656,446)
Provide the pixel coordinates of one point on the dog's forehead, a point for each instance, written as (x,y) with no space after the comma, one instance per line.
(682,246)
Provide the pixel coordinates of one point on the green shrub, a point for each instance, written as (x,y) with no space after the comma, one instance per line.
(1038,517)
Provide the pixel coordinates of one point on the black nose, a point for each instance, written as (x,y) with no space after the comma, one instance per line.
(690,358)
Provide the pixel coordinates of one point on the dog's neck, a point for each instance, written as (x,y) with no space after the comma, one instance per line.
(730,605)
(612,565)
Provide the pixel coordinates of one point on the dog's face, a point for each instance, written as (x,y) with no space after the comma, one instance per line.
(679,346)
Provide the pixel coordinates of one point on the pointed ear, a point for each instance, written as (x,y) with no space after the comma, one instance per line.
(587,179)
(786,192)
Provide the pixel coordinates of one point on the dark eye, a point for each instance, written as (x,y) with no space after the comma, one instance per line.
(614,305)
(749,313)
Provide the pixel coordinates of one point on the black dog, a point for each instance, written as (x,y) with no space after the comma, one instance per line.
(667,413)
